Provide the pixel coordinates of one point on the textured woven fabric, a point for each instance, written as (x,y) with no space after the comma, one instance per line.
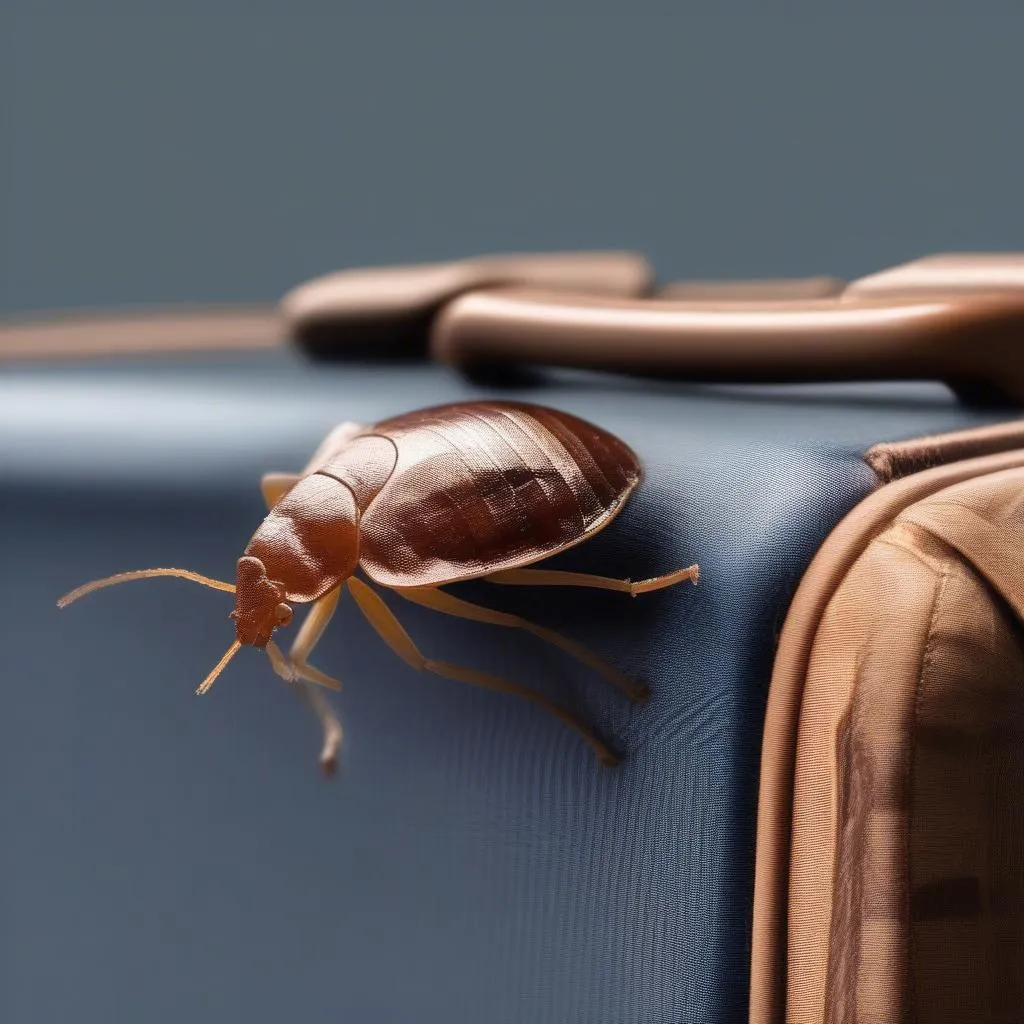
(792,897)
(909,774)
(170,858)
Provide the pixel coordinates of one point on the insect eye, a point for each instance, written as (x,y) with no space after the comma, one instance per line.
(283,614)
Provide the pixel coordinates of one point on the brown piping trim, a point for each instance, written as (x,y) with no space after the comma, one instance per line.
(86,336)
(775,805)
(897,459)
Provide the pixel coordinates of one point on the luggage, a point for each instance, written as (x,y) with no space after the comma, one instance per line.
(818,812)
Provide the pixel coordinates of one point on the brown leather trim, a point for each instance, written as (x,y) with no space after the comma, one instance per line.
(964,340)
(948,273)
(86,336)
(775,809)
(944,274)
(896,459)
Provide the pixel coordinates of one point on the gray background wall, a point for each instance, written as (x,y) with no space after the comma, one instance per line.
(225,156)
(163,862)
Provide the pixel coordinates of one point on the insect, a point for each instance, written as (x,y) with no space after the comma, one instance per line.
(451,493)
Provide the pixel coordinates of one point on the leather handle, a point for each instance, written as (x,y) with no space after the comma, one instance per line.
(387,312)
(966,341)
(589,314)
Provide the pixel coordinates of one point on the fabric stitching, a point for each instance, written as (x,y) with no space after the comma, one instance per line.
(927,658)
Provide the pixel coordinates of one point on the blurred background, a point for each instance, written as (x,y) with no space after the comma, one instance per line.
(156,158)
(162,864)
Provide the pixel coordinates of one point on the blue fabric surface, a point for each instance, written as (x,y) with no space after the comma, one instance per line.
(168,858)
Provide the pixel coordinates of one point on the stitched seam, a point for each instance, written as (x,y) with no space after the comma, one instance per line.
(927,658)
(835,1014)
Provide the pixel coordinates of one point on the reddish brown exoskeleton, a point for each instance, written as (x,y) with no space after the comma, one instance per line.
(458,492)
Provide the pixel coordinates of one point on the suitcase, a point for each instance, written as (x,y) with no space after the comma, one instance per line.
(818,812)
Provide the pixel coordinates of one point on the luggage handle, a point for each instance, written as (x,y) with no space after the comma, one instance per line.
(387,312)
(975,343)
(952,317)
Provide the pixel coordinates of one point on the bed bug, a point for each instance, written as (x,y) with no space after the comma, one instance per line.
(456,492)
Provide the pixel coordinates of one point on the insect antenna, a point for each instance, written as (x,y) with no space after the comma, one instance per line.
(205,685)
(141,574)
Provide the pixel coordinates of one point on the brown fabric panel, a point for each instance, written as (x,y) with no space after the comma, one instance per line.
(896,459)
(91,335)
(841,782)
(907,875)
(965,850)
(847,542)
(984,523)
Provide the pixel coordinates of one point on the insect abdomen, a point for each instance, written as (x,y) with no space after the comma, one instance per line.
(485,486)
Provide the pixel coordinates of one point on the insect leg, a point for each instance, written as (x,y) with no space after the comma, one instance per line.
(441,601)
(308,637)
(390,629)
(558,578)
(317,703)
